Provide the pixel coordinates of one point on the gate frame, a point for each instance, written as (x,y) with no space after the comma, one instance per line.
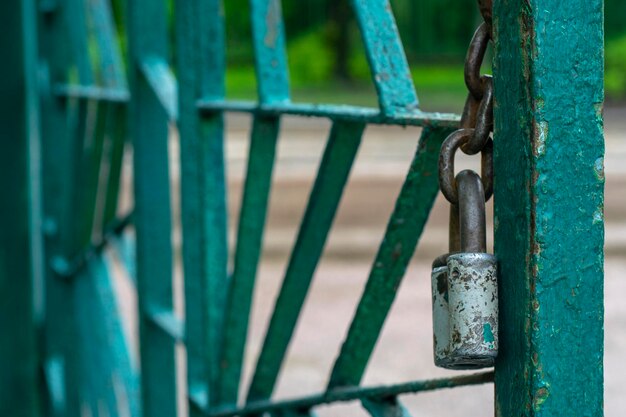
(549,221)
(20,242)
(549,194)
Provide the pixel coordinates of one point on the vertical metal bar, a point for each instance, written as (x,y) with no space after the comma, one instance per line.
(201,63)
(332,176)
(249,240)
(273,87)
(403,231)
(57,179)
(388,64)
(19,141)
(147,26)
(549,218)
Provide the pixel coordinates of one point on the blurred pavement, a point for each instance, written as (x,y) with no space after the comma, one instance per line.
(405,346)
(404,351)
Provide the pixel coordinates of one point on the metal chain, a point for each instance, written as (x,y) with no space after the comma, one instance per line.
(474,135)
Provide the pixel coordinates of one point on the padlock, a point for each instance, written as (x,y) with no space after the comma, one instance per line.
(472,285)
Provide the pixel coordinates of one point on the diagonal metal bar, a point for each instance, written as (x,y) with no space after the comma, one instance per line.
(273,87)
(110,66)
(388,64)
(403,231)
(78,37)
(268,37)
(90,170)
(249,241)
(333,173)
(116,145)
(376,393)
(79,111)
(110,73)
(109,382)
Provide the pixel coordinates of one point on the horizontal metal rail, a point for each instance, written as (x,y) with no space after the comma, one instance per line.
(369,115)
(343,395)
(163,83)
(167,321)
(347,113)
(68,269)
(91,92)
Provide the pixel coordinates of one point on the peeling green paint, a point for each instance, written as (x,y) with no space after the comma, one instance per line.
(541,395)
(549,180)
(488,334)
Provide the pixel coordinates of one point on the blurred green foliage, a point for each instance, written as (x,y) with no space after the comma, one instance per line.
(614,19)
(326,55)
(615,69)
(615,53)
(310,59)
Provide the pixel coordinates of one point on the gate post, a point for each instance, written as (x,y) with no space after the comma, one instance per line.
(19,132)
(549,224)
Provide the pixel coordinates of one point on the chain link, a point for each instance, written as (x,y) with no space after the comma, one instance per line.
(476,125)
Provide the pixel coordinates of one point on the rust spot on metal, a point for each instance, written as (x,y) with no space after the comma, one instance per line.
(598,168)
(456,337)
(541,395)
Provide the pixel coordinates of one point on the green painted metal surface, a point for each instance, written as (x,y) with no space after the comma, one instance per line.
(549,219)
(331,178)
(85,357)
(403,231)
(376,393)
(388,64)
(249,240)
(58,122)
(149,130)
(201,63)
(19,247)
(549,206)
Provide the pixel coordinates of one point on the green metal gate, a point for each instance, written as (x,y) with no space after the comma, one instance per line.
(70,114)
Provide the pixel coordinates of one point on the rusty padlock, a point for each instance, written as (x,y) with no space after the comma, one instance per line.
(468,339)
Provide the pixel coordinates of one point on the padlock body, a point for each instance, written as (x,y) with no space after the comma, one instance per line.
(473,311)
(441,319)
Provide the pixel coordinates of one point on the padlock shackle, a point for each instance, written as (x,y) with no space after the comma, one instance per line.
(471,212)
